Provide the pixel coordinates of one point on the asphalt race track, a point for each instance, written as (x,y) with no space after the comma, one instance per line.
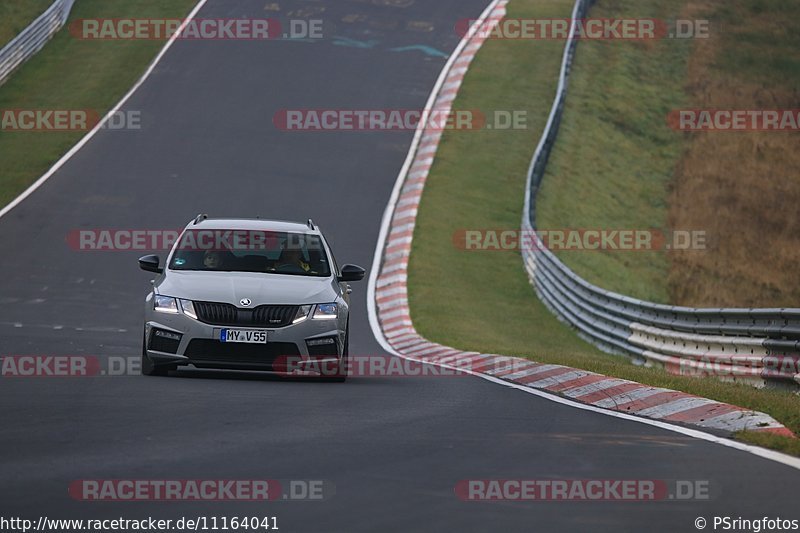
(394,448)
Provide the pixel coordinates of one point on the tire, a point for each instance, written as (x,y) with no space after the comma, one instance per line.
(149,368)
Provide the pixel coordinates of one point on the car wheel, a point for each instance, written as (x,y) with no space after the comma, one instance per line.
(149,368)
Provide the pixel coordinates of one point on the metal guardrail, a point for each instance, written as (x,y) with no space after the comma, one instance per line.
(33,38)
(757,346)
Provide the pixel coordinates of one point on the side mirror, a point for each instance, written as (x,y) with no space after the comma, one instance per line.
(150,264)
(352,273)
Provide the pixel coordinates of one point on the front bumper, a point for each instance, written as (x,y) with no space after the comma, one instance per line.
(290,347)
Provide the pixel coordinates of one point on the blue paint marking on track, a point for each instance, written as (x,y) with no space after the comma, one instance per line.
(427,50)
(346,41)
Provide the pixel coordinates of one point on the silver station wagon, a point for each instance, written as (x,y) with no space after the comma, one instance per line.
(249,294)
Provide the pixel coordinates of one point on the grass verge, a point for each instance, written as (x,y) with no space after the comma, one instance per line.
(741,187)
(617,163)
(614,158)
(482,300)
(69,73)
(15,15)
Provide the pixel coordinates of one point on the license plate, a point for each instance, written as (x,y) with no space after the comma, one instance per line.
(244,336)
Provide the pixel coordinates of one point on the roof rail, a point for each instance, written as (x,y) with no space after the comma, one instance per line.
(199,218)
(310,224)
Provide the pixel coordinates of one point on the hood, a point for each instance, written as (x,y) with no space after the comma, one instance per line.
(262,289)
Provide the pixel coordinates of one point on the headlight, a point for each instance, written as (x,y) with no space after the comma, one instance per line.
(326,311)
(166,304)
(188,309)
(302,314)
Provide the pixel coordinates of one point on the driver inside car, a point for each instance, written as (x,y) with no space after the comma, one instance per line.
(213,260)
(293,257)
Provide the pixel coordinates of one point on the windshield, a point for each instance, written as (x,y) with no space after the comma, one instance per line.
(268,252)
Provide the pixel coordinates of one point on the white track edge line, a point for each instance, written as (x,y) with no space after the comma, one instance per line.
(401,178)
(755,450)
(764,453)
(86,138)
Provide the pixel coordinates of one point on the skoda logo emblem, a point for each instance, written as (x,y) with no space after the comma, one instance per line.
(245,302)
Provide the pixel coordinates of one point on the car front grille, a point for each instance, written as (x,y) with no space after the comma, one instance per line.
(274,316)
(257,355)
(266,316)
(213,313)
